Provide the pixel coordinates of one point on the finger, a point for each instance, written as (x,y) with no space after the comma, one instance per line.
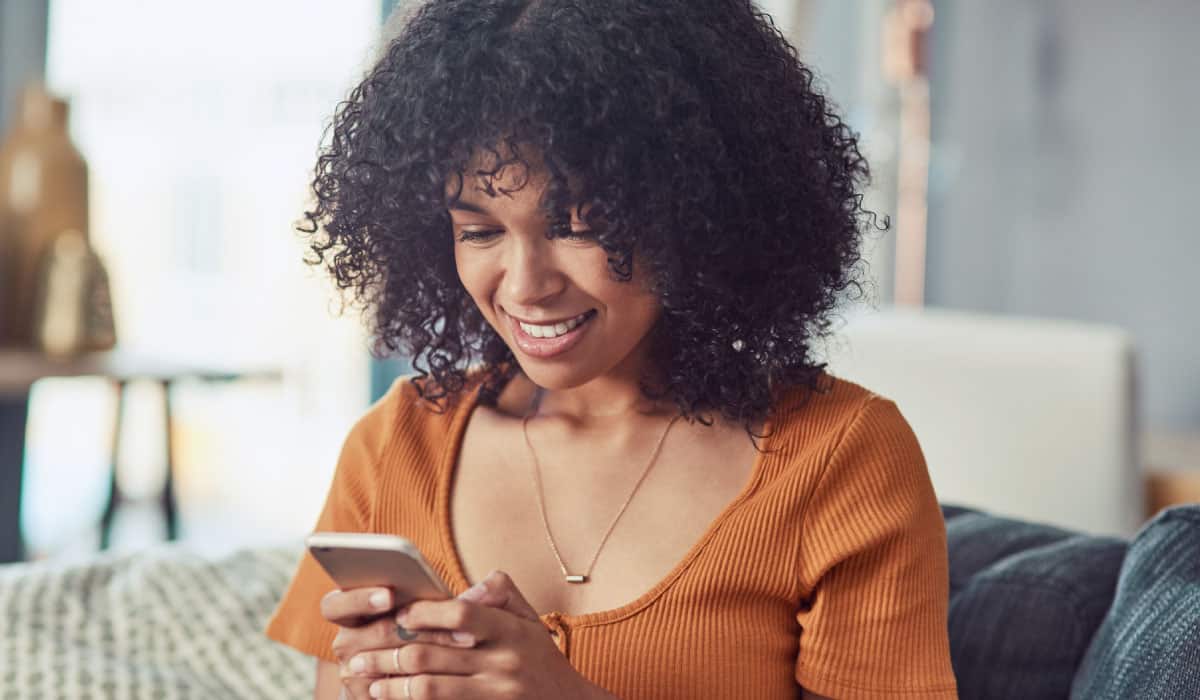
(412,659)
(498,590)
(356,688)
(386,633)
(424,686)
(466,621)
(353,607)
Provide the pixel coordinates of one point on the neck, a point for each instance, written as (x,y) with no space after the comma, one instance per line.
(607,402)
(597,402)
(617,423)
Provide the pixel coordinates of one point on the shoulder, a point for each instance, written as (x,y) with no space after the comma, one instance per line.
(866,468)
(405,413)
(838,409)
(851,449)
(403,425)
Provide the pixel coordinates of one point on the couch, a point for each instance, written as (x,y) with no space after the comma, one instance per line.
(1036,611)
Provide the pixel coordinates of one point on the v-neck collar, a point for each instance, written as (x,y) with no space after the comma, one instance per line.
(458,579)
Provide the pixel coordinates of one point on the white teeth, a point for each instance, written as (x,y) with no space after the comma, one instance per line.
(554,330)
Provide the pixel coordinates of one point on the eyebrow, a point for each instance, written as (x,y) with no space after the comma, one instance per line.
(460,205)
(465,206)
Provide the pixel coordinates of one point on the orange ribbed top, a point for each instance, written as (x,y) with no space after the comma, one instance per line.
(829,570)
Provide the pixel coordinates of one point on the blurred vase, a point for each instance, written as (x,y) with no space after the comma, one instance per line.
(43,193)
(72,307)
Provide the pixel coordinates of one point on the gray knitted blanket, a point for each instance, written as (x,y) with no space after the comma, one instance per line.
(162,623)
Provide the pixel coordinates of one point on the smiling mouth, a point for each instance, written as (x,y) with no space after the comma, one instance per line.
(548,340)
(554,330)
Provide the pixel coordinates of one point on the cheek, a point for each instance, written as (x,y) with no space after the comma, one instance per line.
(648,311)
(474,279)
(633,300)
(636,308)
(472,275)
(480,277)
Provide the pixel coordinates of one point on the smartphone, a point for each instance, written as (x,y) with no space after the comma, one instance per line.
(368,560)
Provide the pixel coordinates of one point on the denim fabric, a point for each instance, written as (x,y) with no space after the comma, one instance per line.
(1025,601)
(951,511)
(1149,645)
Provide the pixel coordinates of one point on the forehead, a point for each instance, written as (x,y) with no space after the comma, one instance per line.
(499,170)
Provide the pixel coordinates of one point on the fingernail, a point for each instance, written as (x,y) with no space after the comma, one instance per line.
(474,593)
(464,638)
(358,664)
(379,599)
(402,617)
(376,690)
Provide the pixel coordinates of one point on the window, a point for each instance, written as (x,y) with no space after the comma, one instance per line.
(200,123)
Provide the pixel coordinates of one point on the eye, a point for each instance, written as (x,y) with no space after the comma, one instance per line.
(478,235)
(578,234)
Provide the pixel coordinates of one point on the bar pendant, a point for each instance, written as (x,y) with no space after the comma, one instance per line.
(576,578)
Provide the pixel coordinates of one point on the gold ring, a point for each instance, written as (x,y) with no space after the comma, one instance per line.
(396,658)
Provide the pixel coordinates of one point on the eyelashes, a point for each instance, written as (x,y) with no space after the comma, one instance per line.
(485,235)
(477,236)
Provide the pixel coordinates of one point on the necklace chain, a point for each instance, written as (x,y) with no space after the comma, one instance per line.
(537,479)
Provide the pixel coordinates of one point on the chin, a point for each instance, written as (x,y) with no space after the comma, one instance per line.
(555,378)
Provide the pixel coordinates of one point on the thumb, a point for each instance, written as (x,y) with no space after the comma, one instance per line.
(497,590)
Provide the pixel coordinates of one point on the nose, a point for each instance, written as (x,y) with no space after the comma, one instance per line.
(532,277)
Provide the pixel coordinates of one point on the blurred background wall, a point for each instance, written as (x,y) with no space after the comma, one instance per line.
(22,46)
(1063,182)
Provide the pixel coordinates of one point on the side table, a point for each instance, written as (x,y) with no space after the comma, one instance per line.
(20,369)
(1172,462)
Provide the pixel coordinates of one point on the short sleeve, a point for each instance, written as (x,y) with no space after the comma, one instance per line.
(873,569)
(348,507)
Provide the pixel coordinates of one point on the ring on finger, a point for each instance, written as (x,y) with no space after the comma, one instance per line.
(408,688)
(396,658)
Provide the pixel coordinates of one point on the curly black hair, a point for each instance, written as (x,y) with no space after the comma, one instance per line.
(689,133)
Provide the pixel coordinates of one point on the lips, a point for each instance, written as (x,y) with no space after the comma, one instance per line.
(543,348)
(548,322)
(551,329)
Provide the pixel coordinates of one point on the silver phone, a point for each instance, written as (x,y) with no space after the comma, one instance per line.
(368,560)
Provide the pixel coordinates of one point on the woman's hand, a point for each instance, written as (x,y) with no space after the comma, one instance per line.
(367,621)
(512,657)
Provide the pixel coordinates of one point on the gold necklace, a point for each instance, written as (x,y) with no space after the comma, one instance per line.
(537,479)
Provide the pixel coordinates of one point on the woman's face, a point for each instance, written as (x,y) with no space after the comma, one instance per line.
(553,301)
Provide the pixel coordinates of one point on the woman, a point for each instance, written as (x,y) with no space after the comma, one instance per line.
(610,233)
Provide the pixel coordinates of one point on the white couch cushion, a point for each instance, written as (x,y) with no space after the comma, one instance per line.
(1030,418)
